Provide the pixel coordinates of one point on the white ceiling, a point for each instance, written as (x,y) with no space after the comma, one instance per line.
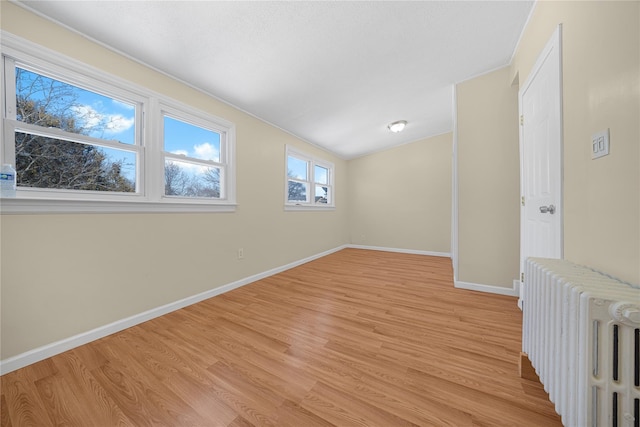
(333,73)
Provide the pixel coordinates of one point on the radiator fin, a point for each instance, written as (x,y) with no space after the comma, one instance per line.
(614,410)
(636,358)
(615,353)
(595,357)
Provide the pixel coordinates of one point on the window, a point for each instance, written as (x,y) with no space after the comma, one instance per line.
(65,137)
(309,181)
(193,166)
(82,140)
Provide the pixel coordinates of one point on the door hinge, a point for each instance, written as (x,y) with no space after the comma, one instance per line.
(522,200)
(521,120)
(521,277)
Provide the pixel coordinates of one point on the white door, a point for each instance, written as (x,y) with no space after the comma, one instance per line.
(540,101)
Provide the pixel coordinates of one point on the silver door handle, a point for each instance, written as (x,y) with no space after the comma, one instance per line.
(551,209)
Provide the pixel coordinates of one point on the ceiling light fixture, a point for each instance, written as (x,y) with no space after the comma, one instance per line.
(397,126)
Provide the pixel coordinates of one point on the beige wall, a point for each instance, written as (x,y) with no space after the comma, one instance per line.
(601,79)
(66,274)
(401,198)
(488,180)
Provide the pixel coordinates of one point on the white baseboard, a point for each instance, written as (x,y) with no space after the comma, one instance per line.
(517,285)
(49,350)
(514,292)
(486,288)
(404,251)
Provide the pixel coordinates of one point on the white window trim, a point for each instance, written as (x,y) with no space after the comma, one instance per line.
(223,127)
(150,198)
(313,161)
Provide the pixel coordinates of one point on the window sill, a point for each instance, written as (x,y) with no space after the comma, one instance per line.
(309,208)
(22,206)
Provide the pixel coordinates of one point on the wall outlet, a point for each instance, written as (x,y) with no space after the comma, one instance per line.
(240,253)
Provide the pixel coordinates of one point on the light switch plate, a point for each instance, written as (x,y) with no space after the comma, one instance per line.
(600,144)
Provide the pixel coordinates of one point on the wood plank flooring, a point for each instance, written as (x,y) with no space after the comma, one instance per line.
(357,338)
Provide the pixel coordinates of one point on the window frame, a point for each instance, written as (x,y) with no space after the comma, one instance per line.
(312,162)
(148,146)
(12,125)
(224,128)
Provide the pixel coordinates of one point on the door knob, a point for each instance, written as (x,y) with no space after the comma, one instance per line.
(551,209)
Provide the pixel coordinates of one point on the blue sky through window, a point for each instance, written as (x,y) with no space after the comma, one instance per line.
(296,168)
(190,140)
(95,115)
(113,119)
(321,175)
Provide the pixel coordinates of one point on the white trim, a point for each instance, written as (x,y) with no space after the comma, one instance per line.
(316,207)
(517,285)
(486,288)
(454,189)
(34,206)
(49,350)
(403,251)
(524,28)
(483,73)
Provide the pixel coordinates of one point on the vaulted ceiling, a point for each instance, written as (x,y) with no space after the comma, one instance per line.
(333,73)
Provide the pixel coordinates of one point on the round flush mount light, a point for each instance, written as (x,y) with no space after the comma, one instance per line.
(397,126)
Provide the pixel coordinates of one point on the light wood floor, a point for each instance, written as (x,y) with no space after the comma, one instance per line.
(357,338)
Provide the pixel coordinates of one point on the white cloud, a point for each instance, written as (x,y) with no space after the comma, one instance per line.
(117,123)
(87,115)
(90,118)
(180,152)
(188,167)
(206,151)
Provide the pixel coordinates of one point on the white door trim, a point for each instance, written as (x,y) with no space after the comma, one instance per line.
(454,188)
(553,47)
